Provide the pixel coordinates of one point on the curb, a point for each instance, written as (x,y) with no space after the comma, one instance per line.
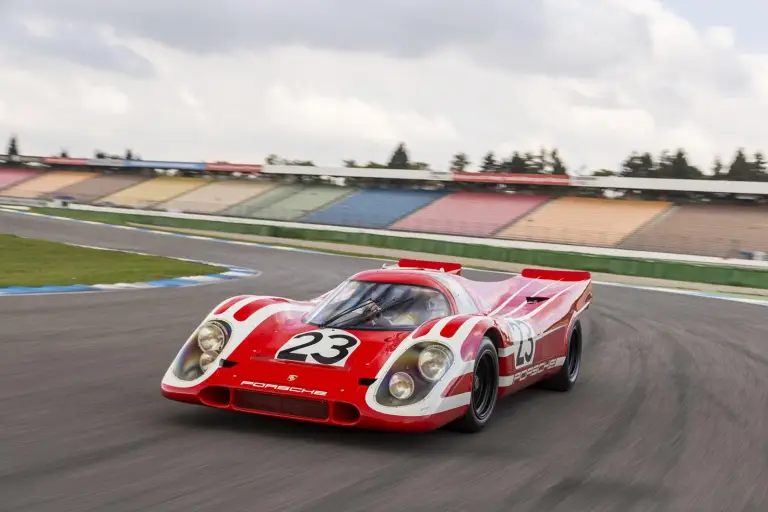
(310,251)
(175,282)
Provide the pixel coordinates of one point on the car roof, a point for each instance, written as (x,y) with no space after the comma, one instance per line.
(419,277)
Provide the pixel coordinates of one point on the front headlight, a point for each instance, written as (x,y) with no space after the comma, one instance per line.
(434,361)
(414,374)
(401,385)
(211,337)
(202,350)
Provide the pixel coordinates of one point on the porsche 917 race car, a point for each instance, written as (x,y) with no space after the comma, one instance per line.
(413,347)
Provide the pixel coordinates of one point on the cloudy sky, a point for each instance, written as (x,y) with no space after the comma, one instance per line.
(328,80)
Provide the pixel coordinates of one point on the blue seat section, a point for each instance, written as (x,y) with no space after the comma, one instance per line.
(374,208)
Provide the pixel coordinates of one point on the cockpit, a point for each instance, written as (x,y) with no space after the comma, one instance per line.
(374,305)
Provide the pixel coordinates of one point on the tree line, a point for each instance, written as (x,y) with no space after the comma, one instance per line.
(671,165)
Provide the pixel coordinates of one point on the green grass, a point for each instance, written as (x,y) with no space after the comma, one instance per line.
(31,262)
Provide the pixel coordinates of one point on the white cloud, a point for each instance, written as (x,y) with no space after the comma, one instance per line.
(596,78)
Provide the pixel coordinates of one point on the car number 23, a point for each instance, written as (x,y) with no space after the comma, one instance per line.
(325,346)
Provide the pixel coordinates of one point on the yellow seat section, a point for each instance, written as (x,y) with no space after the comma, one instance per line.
(217,196)
(47,183)
(152,192)
(584,221)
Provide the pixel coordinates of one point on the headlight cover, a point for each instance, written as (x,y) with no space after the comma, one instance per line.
(202,350)
(420,368)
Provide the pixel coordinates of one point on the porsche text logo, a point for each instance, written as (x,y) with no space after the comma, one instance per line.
(277,387)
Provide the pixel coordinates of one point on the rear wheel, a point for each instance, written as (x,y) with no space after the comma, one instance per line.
(485,390)
(566,378)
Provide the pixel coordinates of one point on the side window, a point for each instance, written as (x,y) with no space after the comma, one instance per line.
(463,300)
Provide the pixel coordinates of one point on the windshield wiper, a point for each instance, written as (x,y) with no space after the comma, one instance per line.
(384,307)
(333,318)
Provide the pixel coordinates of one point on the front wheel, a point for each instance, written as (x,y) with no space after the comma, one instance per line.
(485,390)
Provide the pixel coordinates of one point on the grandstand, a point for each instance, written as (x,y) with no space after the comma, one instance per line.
(294,202)
(91,190)
(374,208)
(216,197)
(470,213)
(584,221)
(705,229)
(692,227)
(9,177)
(44,185)
(151,192)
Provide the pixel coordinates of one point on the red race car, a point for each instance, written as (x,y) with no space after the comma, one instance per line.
(413,347)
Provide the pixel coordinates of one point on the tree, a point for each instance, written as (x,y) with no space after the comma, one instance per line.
(717,169)
(759,167)
(533,165)
(99,154)
(272,159)
(638,166)
(460,162)
(740,169)
(64,154)
(678,168)
(350,163)
(489,163)
(516,164)
(399,158)
(13,146)
(128,154)
(557,164)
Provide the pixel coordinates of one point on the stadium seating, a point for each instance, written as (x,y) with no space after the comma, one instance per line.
(46,184)
(154,191)
(10,177)
(217,196)
(470,213)
(707,230)
(298,201)
(374,208)
(249,207)
(584,221)
(90,191)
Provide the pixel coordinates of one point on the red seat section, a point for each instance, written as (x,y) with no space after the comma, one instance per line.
(9,177)
(470,213)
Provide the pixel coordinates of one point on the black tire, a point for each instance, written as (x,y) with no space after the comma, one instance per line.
(566,378)
(485,390)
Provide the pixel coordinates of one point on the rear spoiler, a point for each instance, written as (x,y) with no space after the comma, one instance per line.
(441,266)
(556,275)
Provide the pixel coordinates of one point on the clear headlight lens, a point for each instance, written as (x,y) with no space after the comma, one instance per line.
(434,361)
(401,386)
(207,359)
(211,337)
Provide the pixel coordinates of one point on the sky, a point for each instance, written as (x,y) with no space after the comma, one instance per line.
(329,80)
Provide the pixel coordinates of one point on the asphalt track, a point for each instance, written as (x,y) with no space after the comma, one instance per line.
(670,413)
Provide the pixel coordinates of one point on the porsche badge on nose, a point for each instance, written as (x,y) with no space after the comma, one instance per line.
(292,378)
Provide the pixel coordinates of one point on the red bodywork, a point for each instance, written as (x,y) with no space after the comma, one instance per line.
(540,305)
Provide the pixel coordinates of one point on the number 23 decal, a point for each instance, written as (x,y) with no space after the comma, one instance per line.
(326,346)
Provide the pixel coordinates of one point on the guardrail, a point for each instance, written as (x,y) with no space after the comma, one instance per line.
(690,268)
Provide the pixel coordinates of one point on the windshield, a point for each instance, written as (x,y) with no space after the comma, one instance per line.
(379,306)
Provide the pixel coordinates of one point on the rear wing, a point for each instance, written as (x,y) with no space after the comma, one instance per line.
(556,275)
(440,266)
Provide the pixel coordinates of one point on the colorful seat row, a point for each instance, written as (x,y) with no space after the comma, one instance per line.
(632,224)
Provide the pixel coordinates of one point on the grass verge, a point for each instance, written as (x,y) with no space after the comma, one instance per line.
(31,262)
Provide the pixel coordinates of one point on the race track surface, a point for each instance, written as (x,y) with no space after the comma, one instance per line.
(670,413)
